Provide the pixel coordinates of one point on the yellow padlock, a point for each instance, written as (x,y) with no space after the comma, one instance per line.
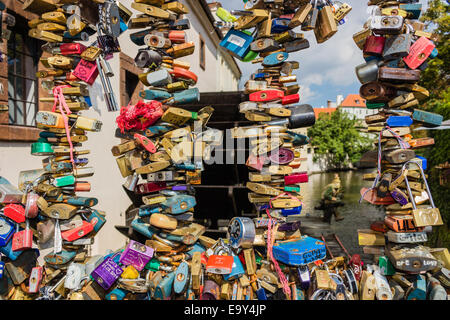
(130,272)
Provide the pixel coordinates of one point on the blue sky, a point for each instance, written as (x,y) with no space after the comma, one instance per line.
(328,69)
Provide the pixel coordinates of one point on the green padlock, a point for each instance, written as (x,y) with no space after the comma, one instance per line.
(153,265)
(291,189)
(386,267)
(225,15)
(41,148)
(375,105)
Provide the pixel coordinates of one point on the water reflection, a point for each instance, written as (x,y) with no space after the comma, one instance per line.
(357,216)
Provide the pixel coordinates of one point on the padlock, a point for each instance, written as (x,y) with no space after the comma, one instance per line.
(326,25)
(310,22)
(237,43)
(78,232)
(397,46)
(35,279)
(22,239)
(15,212)
(374,45)
(137,255)
(107,273)
(423,217)
(86,71)
(419,52)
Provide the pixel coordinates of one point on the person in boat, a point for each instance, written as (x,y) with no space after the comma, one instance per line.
(331,200)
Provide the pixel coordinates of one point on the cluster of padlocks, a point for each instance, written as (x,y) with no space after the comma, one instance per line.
(168,256)
(48,205)
(396,49)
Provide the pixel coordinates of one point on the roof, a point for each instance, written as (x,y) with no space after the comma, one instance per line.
(318,111)
(353,101)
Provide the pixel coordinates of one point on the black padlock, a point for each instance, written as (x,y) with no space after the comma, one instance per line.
(148,59)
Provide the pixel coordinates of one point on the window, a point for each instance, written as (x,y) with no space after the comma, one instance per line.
(131,87)
(23,59)
(202,53)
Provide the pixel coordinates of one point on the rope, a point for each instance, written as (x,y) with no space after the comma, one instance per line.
(270,241)
(61,103)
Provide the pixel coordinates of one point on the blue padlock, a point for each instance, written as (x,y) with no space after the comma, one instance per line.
(280,25)
(6,231)
(291,211)
(237,270)
(237,43)
(434,53)
(88,100)
(143,228)
(424,162)
(2,267)
(196,248)
(261,294)
(419,291)
(97,220)
(159,129)
(185,166)
(185,97)
(275,59)
(399,121)
(7,251)
(368,58)
(181,281)
(299,251)
(260,76)
(414,9)
(123,26)
(179,204)
(148,211)
(116,294)
(163,290)
(158,95)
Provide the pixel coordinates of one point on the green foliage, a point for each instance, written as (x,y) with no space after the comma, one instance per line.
(436,79)
(337,135)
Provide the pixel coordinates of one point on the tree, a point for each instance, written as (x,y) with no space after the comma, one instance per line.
(337,135)
(436,79)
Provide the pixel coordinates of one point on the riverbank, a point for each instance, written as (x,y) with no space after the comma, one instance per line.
(356,216)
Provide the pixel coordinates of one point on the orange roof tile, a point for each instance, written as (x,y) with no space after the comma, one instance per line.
(353,100)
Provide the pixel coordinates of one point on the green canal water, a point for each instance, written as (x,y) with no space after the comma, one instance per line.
(357,216)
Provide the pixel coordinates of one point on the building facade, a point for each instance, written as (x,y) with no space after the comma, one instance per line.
(21,90)
(355,105)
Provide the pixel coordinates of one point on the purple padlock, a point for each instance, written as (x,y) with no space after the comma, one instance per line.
(107,273)
(136,254)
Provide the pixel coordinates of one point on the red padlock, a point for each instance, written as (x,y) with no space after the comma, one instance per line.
(419,52)
(266,95)
(296,178)
(374,45)
(15,212)
(77,233)
(184,74)
(177,36)
(150,187)
(22,239)
(72,48)
(86,71)
(145,142)
(219,264)
(293,98)
(35,279)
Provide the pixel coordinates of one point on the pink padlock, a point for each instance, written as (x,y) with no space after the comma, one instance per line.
(86,71)
(22,239)
(296,178)
(419,52)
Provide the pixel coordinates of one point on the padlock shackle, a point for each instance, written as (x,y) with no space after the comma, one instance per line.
(430,197)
